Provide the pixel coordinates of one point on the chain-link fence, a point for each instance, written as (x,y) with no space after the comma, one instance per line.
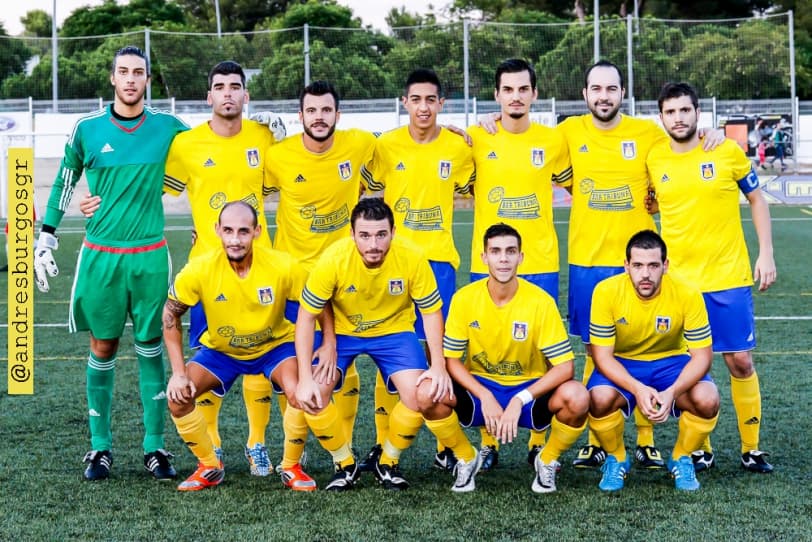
(727,59)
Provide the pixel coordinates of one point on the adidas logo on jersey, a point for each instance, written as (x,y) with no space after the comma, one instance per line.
(352,392)
(205,402)
(622,321)
(400,167)
(209,163)
(299,178)
(474,324)
(664,178)
(381,411)
(583,148)
(220,297)
(492,155)
(107,148)
(752,421)
(351,289)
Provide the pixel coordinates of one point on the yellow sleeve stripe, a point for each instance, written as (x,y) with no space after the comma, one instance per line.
(266,190)
(311,301)
(605,332)
(694,335)
(563,177)
(557,350)
(173,185)
(454,345)
(427,302)
(374,185)
(466,188)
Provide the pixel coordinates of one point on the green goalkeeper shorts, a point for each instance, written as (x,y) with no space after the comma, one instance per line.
(112,283)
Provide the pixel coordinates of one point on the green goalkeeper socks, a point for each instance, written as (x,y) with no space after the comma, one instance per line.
(100,380)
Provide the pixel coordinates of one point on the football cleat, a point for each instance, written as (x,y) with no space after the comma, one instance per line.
(389,477)
(649,457)
(531,456)
(544,481)
(703,460)
(368,463)
(614,473)
(489,458)
(755,461)
(683,473)
(203,477)
(99,463)
(465,472)
(344,479)
(297,479)
(158,464)
(258,460)
(589,457)
(445,460)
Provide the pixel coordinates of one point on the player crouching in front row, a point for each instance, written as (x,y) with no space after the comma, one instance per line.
(519,368)
(652,347)
(243,289)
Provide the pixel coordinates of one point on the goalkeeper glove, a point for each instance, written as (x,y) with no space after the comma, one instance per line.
(273,121)
(44,264)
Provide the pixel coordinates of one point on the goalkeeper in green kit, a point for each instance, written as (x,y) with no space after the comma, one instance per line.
(123,264)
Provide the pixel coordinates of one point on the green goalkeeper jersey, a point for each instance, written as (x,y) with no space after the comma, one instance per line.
(123,160)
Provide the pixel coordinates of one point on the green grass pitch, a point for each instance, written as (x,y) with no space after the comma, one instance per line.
(43,438)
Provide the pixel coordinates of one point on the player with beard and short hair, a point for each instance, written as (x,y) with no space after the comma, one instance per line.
(123,265)
(651,341)
(318,177)
(697,194)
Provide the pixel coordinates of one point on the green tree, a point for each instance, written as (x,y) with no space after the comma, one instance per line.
(13,55)
(235,15)
(37,23)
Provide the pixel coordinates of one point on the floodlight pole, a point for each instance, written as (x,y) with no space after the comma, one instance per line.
(217,16)
(54,64)
(596,12)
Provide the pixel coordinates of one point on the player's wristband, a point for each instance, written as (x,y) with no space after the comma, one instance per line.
(524,396)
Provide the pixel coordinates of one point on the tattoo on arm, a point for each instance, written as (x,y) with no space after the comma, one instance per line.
(173,310)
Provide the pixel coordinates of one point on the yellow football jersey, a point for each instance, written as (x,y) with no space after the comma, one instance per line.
(246,316)
(647,330)
(215,170)
(609,186)
(372,302)
(508,344)
(700,217)
(419,181)
(317,191)
(514,176)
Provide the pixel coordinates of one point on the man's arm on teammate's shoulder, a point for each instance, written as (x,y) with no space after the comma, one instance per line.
(460,132)
(764,272)
(711,138)
(179,389)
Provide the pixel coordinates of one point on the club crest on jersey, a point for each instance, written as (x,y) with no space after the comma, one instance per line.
(629,150)
(252,155)
(663,324)
(538,157)
(265,295)
(396,286)
(445,169)
(520,331)
(345,170)
(708,172)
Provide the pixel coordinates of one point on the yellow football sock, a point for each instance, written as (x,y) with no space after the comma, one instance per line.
(257,393)
(692,431)
(449,434)
(404,424)
(295,426)
(589,368)
(645,429)
(328,429)
(282,399)
(209,406)
(346,399)
(537,438)
(610,432)
(384,404)
(746,398)
(487,439)
(192,429)
(706,445)
(562,437)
